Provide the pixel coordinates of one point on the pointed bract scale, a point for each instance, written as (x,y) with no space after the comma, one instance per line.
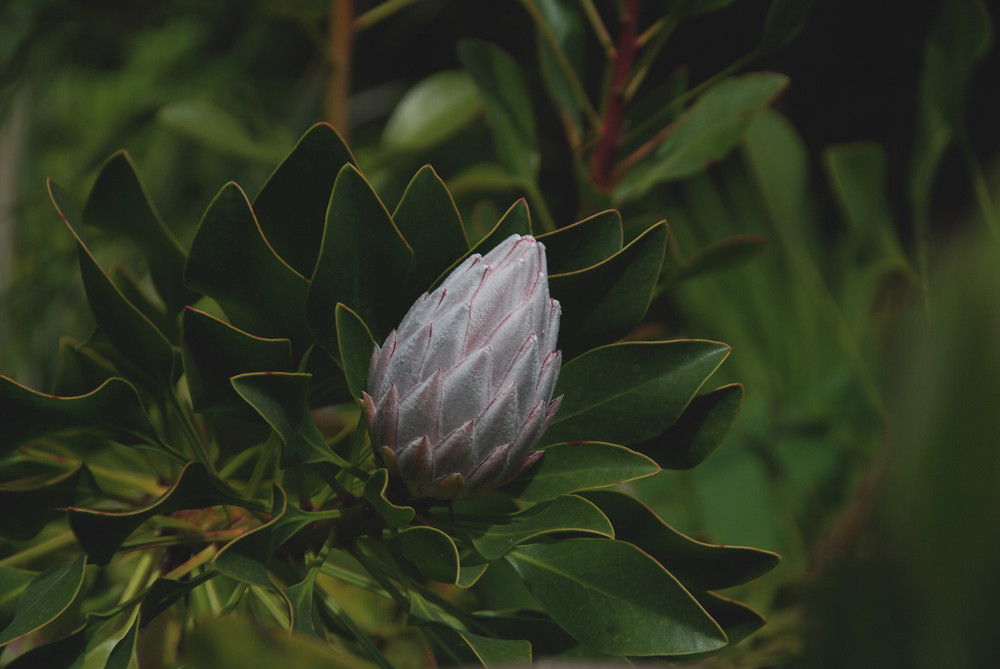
(461,391)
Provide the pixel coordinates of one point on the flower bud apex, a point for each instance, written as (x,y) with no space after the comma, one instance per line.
(461,391)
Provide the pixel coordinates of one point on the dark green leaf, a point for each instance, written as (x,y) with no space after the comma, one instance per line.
(281,399)
(461,647)
(642,609)
(231,262)
(427,218)
(737,620)
(164,592)
(435,109)
(36,502)
(624,393)
(129,284)
(432,552)
(356,347)
(704,566)
(291,207)
(605,302)
(784,22)
(65,652)
(47,596)
(699,430)
(215,351)
(724,254)
(118,203)
(376,488)
(112,410)
(12,583)
(80,368)
(300,598)
(705,133)
(121,655)
(100,533)
(508,105)
(566,468)
(584,243)
(564,514)
(363,261)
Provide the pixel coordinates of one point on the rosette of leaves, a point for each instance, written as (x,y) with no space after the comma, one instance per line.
(200,469)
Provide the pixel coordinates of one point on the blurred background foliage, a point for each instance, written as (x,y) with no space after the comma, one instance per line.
(846,247)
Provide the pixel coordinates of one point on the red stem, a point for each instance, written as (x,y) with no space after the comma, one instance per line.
(602,163)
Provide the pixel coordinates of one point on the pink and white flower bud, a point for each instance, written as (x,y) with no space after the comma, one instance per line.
(461,391)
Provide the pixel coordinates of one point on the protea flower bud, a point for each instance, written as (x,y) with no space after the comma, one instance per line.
(461,391)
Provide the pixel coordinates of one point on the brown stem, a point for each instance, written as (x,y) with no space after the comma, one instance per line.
(340,31)
(602,162)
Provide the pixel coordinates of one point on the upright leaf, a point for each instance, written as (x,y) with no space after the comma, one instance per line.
(356,348)
(584,243)
(48,595)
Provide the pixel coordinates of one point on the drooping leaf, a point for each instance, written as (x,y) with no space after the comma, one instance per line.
(231,262)
(705,133)
(432,552)
(362,261)
(36,502)
(698,432)
(435,109)
(100,533)
(47,596)
(215,351)
(643,609)
(500,82)
(603,303)
(568,513)
(376,488)
(704,566)
(624,393)
(118,203)
(584,243)
(566,468)
(291,206)
(112,410)
(356,347)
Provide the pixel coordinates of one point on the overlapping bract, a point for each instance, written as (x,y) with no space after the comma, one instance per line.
(462,390)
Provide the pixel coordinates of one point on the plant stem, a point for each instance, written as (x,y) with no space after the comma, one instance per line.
(380,13)
(195,561)
(370,648)
(602,162)
(31,552)
(340,28)
(146,484)
(597,25)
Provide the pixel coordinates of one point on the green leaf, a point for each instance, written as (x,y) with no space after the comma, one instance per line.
(362,262)
(428,219)
(215,351)
(376,488)
(356,347)
(699,430)
(127,328)
(723,255)
(737,620)
(112,410)
(564,514)
(48,595)
(482,177)
(207,123)
(36,502)
(130,286)
(713,125)
(13,583)
(281,399)
(430,550)
(461,647)
(584,243)
(605,302)
(566,468)
(566,24)
(164,592)
(80,368)
(643,610)
(231,262)
(704,566)
(291,207)
(124,650)
(300,598)
(785,19)
(624,393)
(118,203)
(100,533)
(435,109)
(508,105)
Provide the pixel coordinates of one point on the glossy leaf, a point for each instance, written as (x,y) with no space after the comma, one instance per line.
(643,609)
(605,302)
(428,219)
(48,595)
(433,110)
(508,105)
(704,566)
(699,430)
(705,133)
(291,207)
(624,393)
(281,400)
(564,514)
(432,552)
(118,203)
(356,346)
(112,410)
(214,351)
(376,488)
(36,502)
(231,262)
(566,468)
(362,261)
(584,243)
(100,533)
(127,328)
